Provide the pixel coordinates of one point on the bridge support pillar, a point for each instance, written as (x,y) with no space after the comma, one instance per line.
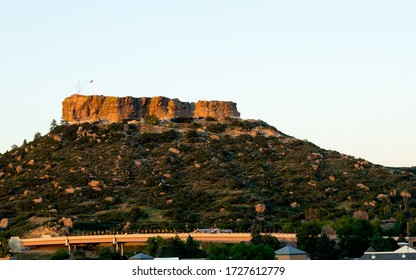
(122,249)
(69,245)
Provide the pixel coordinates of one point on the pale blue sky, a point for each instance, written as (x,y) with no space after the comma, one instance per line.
(338,73)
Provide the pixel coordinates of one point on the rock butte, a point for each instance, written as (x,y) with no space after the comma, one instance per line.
(81,108)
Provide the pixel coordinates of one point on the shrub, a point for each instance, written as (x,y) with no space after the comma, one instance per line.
(106,253)
(182,120)
(216,127)
(60,254)
(151,119)
(191,136)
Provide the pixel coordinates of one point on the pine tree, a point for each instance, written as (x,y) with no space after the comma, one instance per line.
(54,124)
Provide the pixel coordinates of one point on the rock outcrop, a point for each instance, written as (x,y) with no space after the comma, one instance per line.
(80,108)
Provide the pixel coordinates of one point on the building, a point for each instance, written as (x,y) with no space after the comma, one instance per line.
(403,253)
(141,256)
(290,253)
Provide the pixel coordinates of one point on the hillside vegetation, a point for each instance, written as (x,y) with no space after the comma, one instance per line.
(192,173)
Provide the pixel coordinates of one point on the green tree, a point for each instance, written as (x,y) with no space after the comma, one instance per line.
(54,125)
(37,136)
(266,239)
(107,253)
(171,247)
(174,247)
(381,244)
(400,226)
(153,244)
(4,247)
(354,236)
(63,122)
(244,251)
(192,249)
(325,249)
(219,251)
(255,230)
(307,237)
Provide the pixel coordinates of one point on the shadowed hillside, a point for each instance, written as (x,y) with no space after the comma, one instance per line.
(191,172)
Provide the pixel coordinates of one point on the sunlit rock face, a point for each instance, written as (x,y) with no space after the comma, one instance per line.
(82,108)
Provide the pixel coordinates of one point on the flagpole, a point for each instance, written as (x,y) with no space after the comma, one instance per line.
(92,86)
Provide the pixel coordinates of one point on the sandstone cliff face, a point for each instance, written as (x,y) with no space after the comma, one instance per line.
(80,108)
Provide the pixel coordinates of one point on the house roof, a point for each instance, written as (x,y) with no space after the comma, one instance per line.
(141,256)
(370,249)
(403,253)
(206,230)
(393,256)
(289,250)
(405,249)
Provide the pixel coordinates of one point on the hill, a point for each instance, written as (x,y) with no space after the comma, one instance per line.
(191,173)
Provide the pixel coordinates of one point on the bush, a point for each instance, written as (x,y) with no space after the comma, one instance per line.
(151,119)
(106,253)
(60,254)
(182,120)
(191,136)
(79,255)
(216,127)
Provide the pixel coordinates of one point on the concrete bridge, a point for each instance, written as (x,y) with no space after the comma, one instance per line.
(121,240)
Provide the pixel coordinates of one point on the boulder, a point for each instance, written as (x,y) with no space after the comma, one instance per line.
(214,137)
(67,222)
(294,204)
(38,200)
(260,208)
(57,138)
(19,169)
(381,196)
(4,223)
(317,156)
(94,184)
(405,194)
(363,187)
(127,225)
(174,151)
(70,190)
(31,162)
